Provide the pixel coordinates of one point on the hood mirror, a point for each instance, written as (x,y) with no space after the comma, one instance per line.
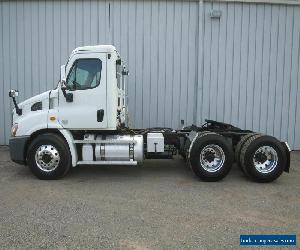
(13,93)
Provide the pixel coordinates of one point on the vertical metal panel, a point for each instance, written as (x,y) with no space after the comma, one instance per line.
(258,68)
(280,70)
(154,67)
(222,63)
(169,63)
(273,69)
(229,57)
(242,68)
(296,81)
(184,63)
(193,45)
(139,66)
(162,61)
(146,55)
(6,63)
(265,66)
(2,100)
(244,65)
(175,116)
(131,60)
(294,107)
(42,52)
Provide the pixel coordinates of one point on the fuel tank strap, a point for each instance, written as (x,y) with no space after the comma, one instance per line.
(106,141)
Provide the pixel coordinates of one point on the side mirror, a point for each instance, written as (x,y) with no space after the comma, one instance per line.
(13,93)
(63,85)
(62,72)
(68,96)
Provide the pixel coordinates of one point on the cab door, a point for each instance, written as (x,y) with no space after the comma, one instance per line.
(86,84)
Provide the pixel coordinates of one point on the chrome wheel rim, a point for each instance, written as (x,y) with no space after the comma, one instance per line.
(47,158)
(212,158)
(265,159)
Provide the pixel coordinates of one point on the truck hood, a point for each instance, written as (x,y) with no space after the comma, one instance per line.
(37,98)
(27,104)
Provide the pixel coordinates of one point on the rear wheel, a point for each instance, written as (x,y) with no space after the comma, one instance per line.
(211,156)
(263,158)
(49,157)
(237,151)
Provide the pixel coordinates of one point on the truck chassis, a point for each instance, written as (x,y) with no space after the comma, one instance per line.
(229,142)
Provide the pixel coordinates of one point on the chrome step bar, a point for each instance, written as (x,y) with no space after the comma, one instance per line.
(127,163)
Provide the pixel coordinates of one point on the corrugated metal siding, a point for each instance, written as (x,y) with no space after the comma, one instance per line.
(250,72)
(242,68)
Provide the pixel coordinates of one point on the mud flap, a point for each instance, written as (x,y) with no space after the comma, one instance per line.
(288,156)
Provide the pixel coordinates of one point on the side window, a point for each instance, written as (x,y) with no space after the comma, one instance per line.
(85,74)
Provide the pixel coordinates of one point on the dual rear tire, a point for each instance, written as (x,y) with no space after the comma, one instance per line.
(262,158)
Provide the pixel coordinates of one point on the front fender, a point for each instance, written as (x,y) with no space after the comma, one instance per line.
(70,140)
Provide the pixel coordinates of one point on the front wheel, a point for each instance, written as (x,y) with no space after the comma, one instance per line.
(211,157)
(49,157)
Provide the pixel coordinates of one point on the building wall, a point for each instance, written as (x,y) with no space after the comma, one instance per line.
(184,65)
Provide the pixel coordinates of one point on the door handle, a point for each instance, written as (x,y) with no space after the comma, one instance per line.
(100,115)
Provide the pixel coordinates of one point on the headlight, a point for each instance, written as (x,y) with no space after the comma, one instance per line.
(14,130)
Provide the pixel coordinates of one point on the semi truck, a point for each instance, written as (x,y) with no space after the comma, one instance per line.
(84,121)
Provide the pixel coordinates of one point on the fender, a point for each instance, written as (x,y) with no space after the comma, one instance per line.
(70,140)
(192,136)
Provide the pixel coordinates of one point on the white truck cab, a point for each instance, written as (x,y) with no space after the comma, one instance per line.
(84,121)
(83,98)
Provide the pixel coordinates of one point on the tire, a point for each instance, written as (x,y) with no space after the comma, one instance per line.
(237,151)
(207,149)
(263,158)
(53,160)
(188,148)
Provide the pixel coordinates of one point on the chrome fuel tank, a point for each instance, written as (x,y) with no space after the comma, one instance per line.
(120,148)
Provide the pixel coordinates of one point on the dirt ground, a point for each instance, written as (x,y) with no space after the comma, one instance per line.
(159,205)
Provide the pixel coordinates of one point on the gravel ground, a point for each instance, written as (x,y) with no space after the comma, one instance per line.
(160,205)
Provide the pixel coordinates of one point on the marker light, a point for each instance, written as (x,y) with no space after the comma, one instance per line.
(14,130)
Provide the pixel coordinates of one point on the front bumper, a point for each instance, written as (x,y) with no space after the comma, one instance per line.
(17,146)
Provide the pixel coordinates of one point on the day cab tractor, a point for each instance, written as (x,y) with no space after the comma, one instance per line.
(84,121)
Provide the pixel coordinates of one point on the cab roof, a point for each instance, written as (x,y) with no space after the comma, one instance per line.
(95,48)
